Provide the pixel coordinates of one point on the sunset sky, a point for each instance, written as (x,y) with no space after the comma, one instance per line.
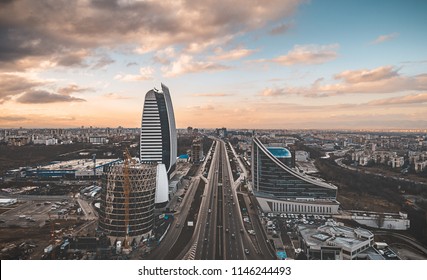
(239,64)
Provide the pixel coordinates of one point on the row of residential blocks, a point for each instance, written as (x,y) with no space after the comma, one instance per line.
(417,159)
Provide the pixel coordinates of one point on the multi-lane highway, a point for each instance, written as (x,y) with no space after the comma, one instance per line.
(221,233)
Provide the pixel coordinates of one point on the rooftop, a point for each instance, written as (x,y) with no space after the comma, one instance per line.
(77,164)
(332,234)
(279,152)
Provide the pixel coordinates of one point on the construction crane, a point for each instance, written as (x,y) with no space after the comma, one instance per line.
(126,191)
(94,168)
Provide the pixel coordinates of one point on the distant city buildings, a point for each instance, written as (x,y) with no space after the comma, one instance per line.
(221,132)
(197,150)
(21,137)
(16,140)
(97,140)
(302,156)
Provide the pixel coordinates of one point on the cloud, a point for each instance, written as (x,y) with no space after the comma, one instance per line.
(112,95)
(54,30)
(29,90)
(42,97)
(211,94)
(308,54)
(74,59)
(268,113)
(305,91)
(379,80)
(414,62)
(65,118)
(12,118)
(234,54)
(274,92)
(12,85)
(186,64)
(202,108)
(401,100)
(164,56)
(102,61)
(383,38)
(366,75)
(280,29)
(145,73)
(72,89)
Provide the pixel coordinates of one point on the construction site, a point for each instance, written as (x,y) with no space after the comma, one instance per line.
(127,201)
(80,220)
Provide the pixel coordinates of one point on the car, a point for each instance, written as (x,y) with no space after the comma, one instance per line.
(246,251)
(241,230)
(226,230)
(233,236)
(206,240)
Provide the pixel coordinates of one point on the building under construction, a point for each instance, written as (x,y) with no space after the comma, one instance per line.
(127,201)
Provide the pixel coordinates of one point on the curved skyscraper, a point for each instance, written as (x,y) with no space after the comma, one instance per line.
(158,130)
(280,188)
(158,135)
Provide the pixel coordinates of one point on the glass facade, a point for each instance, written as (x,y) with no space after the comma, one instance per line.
(164,128)
(158,132)
(272,177)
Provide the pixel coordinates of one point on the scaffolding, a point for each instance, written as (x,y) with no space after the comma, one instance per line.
(127,200)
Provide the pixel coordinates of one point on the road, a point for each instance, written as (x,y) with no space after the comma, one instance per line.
(221,233)
(410,240)
(175,229)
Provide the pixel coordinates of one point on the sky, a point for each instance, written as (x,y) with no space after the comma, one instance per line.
(272,64)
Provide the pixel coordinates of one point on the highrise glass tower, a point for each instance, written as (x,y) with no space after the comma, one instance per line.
(280,188)
(158,135)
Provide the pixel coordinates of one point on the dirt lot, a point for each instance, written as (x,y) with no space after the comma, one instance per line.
(355,201)
(29,242)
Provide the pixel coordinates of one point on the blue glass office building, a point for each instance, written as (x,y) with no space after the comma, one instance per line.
(284,189)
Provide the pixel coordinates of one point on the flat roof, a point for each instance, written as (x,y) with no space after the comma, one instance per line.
(7,200)
(77,164)
(331,233)
(319,201)
(279,152)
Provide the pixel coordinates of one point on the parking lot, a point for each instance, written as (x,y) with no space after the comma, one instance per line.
(36,221)
(283,226)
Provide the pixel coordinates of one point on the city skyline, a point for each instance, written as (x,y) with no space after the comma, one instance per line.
(281,65)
